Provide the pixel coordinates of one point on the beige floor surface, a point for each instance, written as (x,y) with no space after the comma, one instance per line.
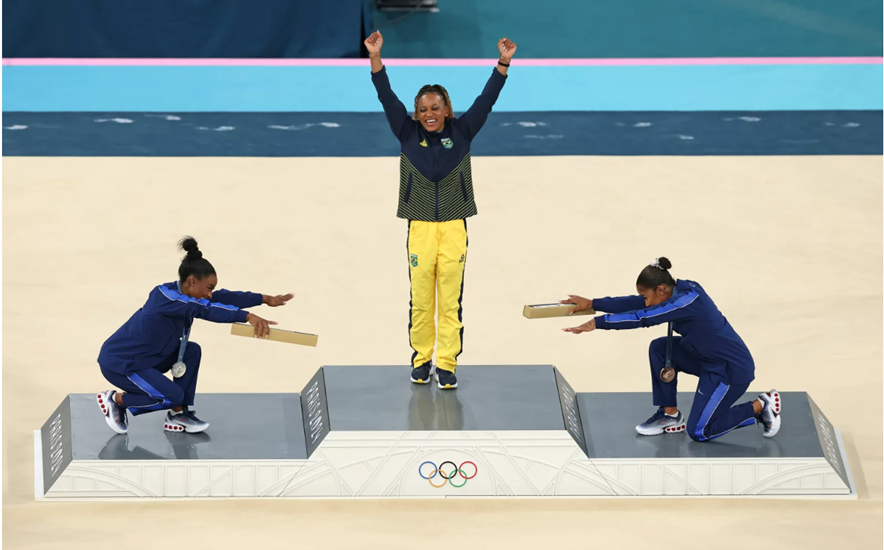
(789,247)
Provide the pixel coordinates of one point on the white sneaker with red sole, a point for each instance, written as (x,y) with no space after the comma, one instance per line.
(662,423)
(769,417)
(185,421)
(114,415)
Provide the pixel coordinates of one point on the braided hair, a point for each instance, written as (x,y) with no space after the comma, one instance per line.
(656,274)
(434,89)
(194,263)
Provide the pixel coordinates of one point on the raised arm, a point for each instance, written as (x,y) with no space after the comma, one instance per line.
(475,117)
(397,116)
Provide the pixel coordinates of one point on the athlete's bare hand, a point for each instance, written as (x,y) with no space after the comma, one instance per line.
(585,327)
(278,300)
(581,303)
(374,43)
(507,48)
(262,326)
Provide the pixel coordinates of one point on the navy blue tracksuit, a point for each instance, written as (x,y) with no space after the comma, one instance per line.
(135,357)
(708,348)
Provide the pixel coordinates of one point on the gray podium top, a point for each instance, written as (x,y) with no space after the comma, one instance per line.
(243,426)
(609,421)
(494,397)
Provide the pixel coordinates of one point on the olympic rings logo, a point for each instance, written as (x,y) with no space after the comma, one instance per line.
(448,477)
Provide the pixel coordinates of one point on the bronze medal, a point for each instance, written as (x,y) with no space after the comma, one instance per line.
(667,374)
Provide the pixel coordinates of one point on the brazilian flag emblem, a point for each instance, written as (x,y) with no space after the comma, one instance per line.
(447,143)
(414,260)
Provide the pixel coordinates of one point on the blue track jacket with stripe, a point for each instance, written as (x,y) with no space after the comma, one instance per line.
(154,332)
(706,333)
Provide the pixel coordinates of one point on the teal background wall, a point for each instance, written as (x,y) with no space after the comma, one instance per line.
(638,28)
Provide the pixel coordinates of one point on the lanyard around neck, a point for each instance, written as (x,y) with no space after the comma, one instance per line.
(185,336)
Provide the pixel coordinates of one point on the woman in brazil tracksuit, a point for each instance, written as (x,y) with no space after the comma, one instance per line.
(708,348)
(436,197)
(155,340)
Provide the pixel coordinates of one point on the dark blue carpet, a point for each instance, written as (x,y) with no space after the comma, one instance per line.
(505,134)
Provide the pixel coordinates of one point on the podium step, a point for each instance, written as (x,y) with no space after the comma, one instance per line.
(367,431)
(805,458)
(488,398)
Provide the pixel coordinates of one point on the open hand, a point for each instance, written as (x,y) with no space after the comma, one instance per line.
(374,42)
(585,327)
(279,300)
(507,48)
(262,326)
(581,302)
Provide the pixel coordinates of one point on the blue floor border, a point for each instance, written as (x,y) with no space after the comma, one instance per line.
(320,89)
(337,134)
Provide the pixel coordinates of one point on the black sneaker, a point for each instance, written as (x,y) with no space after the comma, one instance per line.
(422,374)
(445,380)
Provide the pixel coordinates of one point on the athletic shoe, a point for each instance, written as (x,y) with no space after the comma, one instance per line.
(114,414)
(185,421)
(769,417)
(422,374)
(445,380)
(662,423)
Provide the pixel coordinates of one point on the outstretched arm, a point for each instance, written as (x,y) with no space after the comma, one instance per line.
(475,117)
(672,310)
(397,116)
(608,305)
(683,307)
(244,300)
(620,304)
(174,304)
(239,299)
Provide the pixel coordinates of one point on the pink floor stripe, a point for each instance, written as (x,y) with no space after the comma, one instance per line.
(449,62)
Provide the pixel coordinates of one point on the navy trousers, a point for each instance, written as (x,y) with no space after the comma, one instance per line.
(148,390)
(712,413)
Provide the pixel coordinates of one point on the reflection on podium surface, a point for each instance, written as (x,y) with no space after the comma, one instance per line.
(183,446)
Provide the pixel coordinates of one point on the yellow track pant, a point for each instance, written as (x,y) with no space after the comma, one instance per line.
(437,255)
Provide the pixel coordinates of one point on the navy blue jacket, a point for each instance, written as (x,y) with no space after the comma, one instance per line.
(435,177)
(707,335)
(154,332)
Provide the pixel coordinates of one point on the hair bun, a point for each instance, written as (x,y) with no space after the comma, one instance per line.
(189,245)
(664,263)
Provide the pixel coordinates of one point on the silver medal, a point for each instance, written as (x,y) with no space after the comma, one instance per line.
(178,369)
